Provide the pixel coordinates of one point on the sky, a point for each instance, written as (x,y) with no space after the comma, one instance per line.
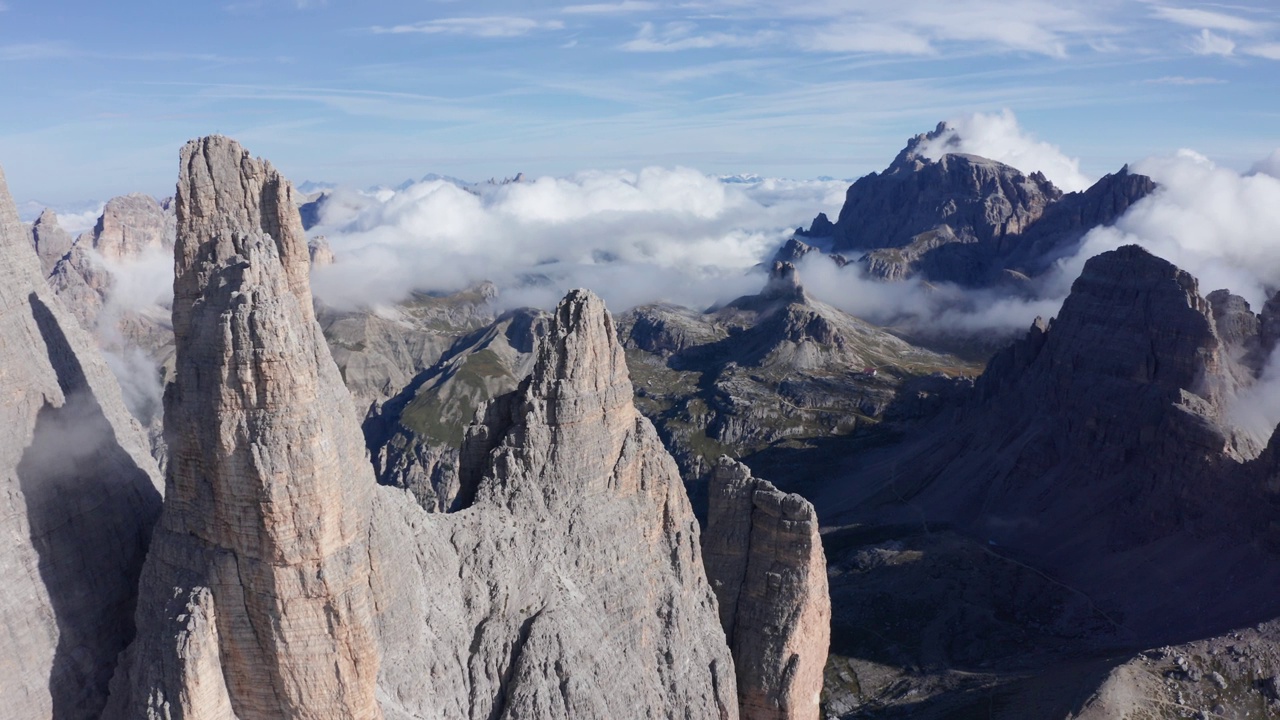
(99,97)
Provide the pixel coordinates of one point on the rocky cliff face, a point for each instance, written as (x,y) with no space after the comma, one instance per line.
(765,562)
(52,242)
(131,225)
(282,582)
(415,437)
(1097,444)
(966,219)
(78,498)
(571,585)
(255,599)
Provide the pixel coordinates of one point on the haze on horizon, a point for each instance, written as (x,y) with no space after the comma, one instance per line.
(100,96)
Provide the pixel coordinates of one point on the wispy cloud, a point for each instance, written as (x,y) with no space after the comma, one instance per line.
(1180,80)
(1209,20)
(862,26)
(485,27)
(1208,43)
(685,36)
(626,6)
(867,38)
(36,51)
(1270,51)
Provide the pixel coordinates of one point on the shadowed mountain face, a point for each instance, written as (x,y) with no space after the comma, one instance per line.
(1088,500)
(78,499)
(966,219)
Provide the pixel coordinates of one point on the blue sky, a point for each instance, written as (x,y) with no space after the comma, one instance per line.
(100,96)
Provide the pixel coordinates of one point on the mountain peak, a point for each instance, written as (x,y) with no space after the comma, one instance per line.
(269,487)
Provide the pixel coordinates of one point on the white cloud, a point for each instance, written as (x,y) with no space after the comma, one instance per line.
(1181,80)
(626,6)
(1213,222)
(1207,43)
(998,137)
(660,234)
(868,38)
(683,36)
(1210,20)
(916,306)
(37,51)
(1270,51)
(77,222)
(486,27)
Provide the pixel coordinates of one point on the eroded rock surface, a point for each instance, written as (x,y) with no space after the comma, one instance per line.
(78,498)
(571,585)
(52,242)
(765,562)
(255,600)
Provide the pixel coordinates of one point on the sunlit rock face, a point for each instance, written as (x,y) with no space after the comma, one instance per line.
(765,561)
(255,601)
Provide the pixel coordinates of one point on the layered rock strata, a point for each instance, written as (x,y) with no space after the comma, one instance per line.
(571,584)
(765,562)
(78,498)
(255,599)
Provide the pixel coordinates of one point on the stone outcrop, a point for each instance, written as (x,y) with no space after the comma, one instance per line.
(765,562)
(255,599)
(52,242)
(320,252)
(78,498)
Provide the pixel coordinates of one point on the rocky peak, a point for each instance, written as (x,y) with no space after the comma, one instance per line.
(581,365)
(570,583)
(319,251)
(784,283)
(910,158)
(52,242)
(1117,403)
(970,220)
(765,562)
(130,225)
(821,227)
(793,250)
(258,575)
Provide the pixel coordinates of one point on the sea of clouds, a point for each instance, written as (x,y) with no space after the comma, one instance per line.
(680,236)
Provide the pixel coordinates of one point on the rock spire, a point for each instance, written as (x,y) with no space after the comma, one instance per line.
(572,584)
(255,598)
(765,561)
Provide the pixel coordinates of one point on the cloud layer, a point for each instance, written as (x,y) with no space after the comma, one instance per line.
(673,235)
